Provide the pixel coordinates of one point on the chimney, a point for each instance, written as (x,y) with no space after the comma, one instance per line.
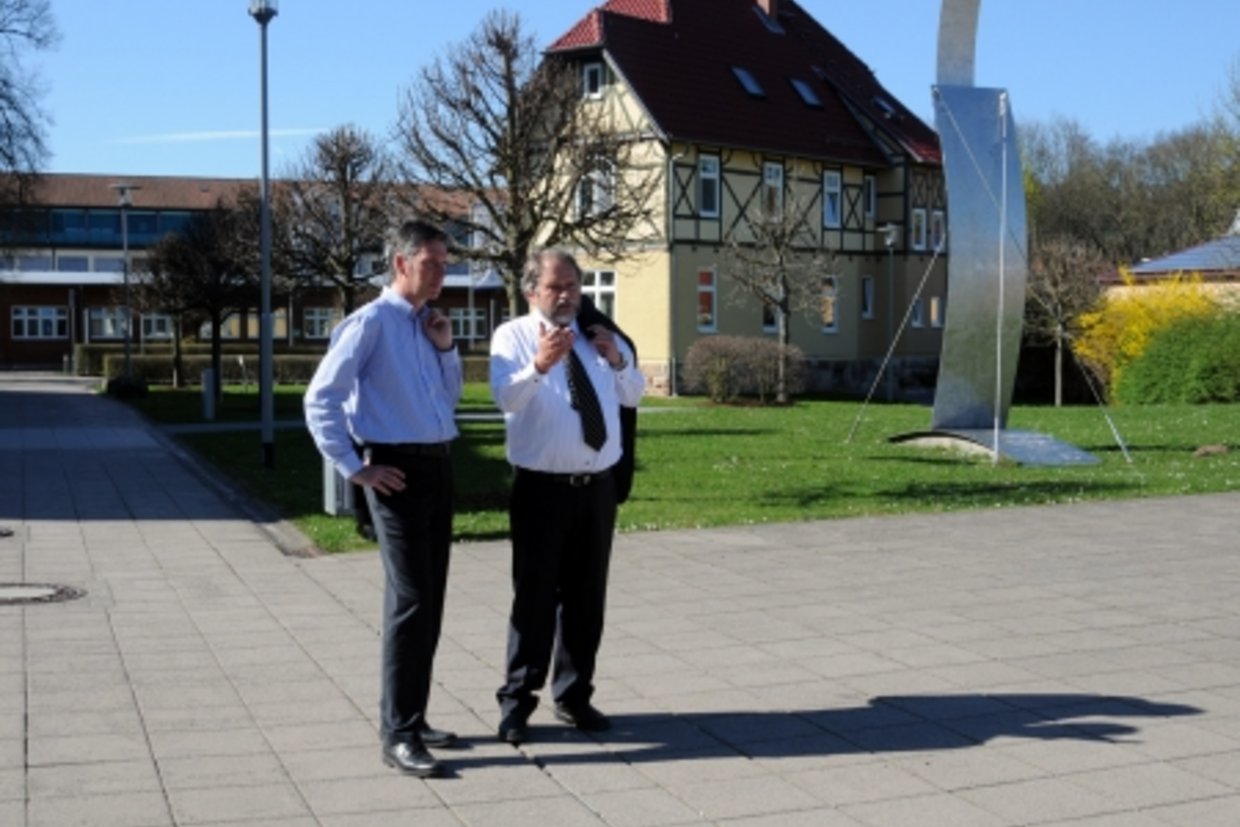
(770,8)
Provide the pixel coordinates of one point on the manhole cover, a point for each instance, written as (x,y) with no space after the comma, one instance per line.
(12,593)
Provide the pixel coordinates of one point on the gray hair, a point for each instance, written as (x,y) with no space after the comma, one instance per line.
(407,238)
(537,260)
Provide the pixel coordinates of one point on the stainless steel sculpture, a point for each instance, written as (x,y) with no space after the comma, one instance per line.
(987,266)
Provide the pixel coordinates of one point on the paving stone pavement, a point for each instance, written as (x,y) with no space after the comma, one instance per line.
(1070,665)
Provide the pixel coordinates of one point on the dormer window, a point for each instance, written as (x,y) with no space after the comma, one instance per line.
(885,106)
(768,20)
(593,78)
(749,82)
(807,93)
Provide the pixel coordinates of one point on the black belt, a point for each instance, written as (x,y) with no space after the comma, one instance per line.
(413,449)
(572,480)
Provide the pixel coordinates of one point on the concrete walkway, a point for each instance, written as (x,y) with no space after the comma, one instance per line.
(1074,665)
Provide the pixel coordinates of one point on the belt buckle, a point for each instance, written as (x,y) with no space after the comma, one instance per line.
(579,480)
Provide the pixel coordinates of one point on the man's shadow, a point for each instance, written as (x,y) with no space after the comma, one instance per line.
(887,724)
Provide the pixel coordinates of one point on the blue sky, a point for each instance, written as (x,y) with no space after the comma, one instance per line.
(170,87)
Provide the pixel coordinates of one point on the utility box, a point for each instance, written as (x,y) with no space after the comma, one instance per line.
(337,492)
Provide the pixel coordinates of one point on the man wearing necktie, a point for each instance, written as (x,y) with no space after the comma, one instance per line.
(390,381)
(560,388)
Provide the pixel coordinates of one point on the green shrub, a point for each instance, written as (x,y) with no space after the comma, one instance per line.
(1191,361)
(727,367)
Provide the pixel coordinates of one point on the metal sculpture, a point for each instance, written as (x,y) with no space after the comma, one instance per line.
(987,267)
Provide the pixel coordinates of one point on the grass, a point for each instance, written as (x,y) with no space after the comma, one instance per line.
(703,465)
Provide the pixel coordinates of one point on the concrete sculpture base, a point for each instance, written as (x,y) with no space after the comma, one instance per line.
(1025,447)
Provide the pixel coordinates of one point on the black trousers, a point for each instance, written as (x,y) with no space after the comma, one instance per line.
(561,551)
(414,529)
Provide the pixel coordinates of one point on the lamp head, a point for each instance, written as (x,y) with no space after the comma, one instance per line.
(264,10)
(122,193)
(889,232)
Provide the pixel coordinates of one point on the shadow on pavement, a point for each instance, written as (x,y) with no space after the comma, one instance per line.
(888,724)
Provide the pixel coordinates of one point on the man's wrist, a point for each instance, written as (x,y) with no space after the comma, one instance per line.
(619,364)
(451,347)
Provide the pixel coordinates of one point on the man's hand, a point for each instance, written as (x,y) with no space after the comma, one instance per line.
(604,342)
(438,329)
(554,343)
(383,478)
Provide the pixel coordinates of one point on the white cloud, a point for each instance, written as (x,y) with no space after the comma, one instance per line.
(218,135)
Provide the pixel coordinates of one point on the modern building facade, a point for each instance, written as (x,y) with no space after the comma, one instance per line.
(63,274)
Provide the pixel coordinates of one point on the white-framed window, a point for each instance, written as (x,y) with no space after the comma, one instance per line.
(919,229)
(918,318)
(468,324)
(230,328)
(317,322)
(596,192)
(156,327)
(593,79)
(706,301)
(708,186)
(105,323)
(40,322)
(770,323)
(871,197)
(832,200)
(936,311)
(938,230)
(867,297)
(108,264)
(73,263)
(254,320)
(829,309)
(772,190)
(600,286)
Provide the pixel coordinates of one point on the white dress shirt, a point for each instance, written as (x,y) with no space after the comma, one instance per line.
(544,431)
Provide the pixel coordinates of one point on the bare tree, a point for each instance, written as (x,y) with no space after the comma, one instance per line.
(25,25)
(1064,282)
(334,208)
(504,147)
(775,258)
(205,270)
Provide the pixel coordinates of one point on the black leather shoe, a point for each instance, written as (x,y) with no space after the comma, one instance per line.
(411,758)
(439,738)
(583,716)
(513,729)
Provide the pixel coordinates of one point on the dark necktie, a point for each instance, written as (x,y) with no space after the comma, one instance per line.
(585,402)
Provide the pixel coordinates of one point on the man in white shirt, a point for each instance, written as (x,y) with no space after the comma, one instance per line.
(560,388)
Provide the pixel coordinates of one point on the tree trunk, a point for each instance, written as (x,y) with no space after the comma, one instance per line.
(178,366)
(1059,337)
(781,378)
(217,348)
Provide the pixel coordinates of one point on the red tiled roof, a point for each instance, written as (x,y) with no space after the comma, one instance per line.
(589,30)
(155,192)
(677,55)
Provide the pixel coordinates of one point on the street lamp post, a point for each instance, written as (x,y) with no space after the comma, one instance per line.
(263,11)
(124,201)
(890,232)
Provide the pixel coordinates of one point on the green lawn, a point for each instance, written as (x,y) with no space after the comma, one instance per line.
(703,465)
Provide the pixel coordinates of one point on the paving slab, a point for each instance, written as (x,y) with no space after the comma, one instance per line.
(1068,665)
